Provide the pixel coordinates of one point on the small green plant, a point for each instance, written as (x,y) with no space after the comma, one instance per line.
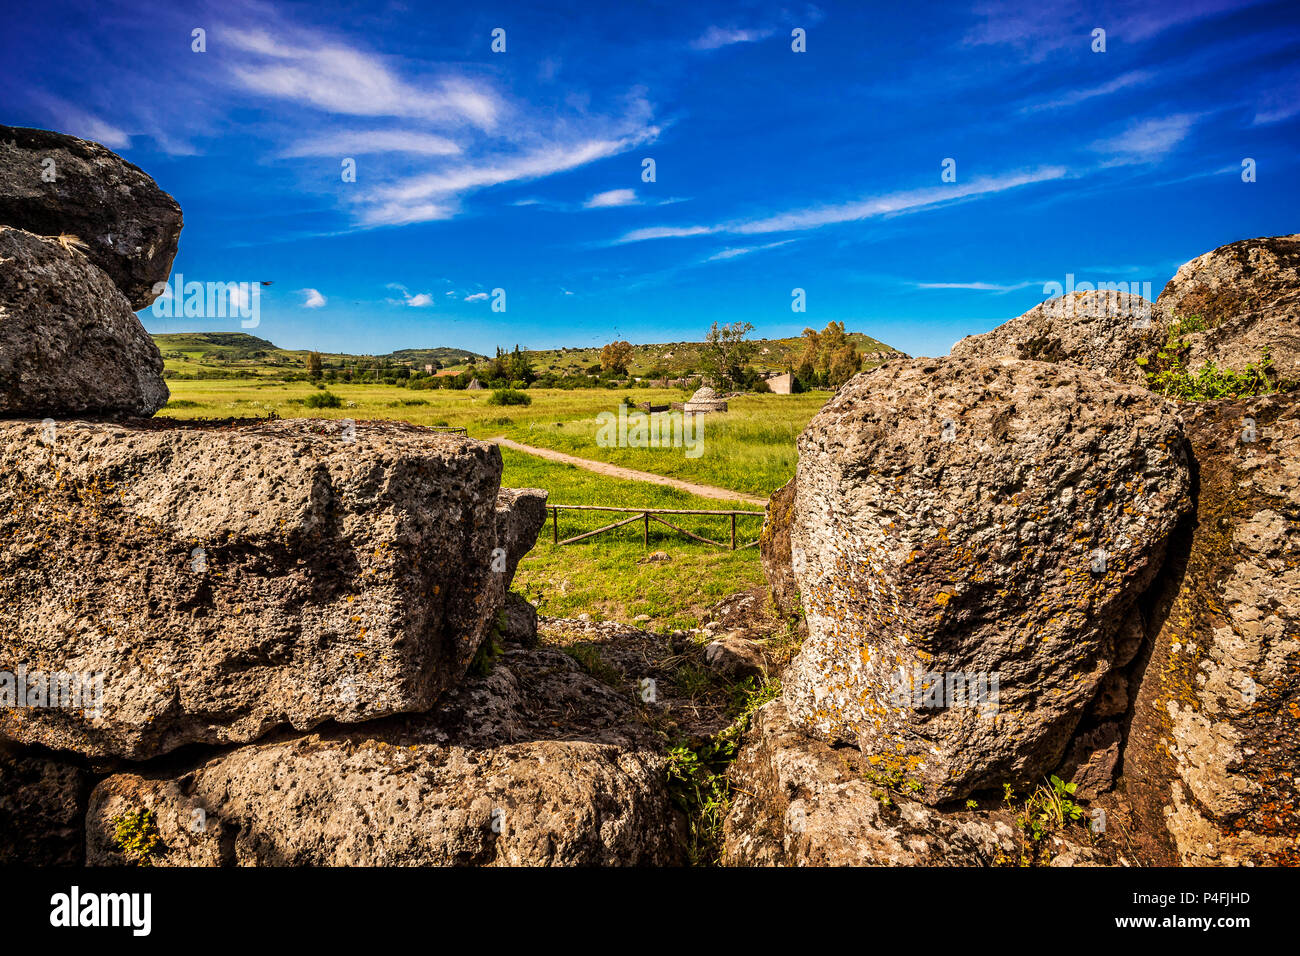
(486,656)
(323,400)
(697,776)
(509,396)
(1168,374)
(1049,808)
(136,835)
(1209,382)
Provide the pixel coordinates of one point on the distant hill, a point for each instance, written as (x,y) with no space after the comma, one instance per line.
(678,358)
(445,357)
(229,354)
(203,354)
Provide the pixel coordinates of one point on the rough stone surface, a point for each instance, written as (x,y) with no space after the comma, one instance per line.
(520,625)
(536,764)
(734,657)
(42,810)
(951,518)
(774,549)
(521,512)
(1103,331)
(226,580)
(1211,753)
(69,342)
(1091,761)
(130,226)
(800,802)
(1247,294)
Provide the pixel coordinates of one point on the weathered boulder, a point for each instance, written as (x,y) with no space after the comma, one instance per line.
(735,657)
(221,581)
(968,538)
(536,764)
(42,810)
(774,549)
(800,802)
(53,184)
(69,342)
(1210,761)
(1101,330)
(1237,301)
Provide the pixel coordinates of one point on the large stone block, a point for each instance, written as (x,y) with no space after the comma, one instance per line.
(222,581)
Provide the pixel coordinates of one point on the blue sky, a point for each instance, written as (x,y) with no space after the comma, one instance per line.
(775,170)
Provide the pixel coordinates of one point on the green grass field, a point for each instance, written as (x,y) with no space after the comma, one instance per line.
(750,448)
(601,576)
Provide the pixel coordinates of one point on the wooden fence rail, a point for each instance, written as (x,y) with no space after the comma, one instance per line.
(647,515)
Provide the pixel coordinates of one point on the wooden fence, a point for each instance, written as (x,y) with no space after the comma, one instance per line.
(647,515)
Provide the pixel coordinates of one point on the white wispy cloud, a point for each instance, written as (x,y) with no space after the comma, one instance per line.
(976,286)
(450,131)
(418,300)
(436,195)
(476,297)
(1146,141)
(312,299)
(889,204)
(665,232)
(610,198)
(1042,28)
(715,37)
(78,122)
(367,142)
(1279,100)
(337,78)
(737,251)
(1073,97)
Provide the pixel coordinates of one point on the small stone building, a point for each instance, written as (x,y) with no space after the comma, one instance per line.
(705,400)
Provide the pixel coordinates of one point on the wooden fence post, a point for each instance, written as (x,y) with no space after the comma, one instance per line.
(555,525)
(647,531)
(733,531)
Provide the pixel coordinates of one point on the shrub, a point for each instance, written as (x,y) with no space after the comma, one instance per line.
(323,400)
(509,396)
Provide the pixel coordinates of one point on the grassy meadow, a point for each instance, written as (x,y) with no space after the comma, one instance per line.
(750,449)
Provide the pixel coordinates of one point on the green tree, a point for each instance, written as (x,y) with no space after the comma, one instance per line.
(314,365)
(521,370)
(615,356)
(844,364)
(726,349)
